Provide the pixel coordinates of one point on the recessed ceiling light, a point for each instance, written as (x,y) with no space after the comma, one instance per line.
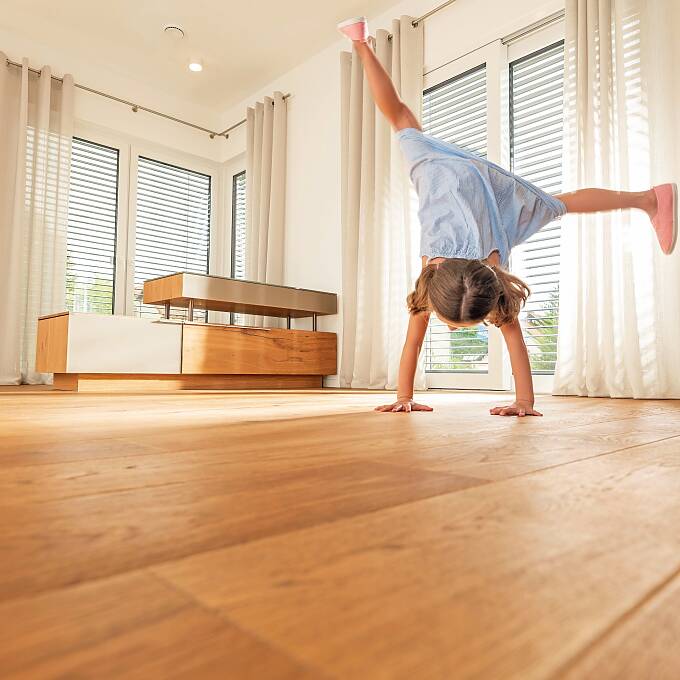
(195,65)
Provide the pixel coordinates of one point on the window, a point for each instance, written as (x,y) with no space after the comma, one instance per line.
(238,226)
(455,111)
(536,131)
(91,236)
(238,235)
(172,231)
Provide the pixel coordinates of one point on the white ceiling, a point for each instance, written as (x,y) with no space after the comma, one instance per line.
(243,45)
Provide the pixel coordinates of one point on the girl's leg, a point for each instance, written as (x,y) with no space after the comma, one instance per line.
(384,93)
(600,200)
(660,203)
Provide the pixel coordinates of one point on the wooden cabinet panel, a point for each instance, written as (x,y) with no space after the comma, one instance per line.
(52,344)
(117,382)
(271,351)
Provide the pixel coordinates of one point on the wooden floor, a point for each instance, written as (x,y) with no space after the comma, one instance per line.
(301,535)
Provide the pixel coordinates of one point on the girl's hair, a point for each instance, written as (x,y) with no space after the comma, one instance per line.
(468,291)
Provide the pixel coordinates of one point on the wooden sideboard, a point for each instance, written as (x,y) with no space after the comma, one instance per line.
(105,352)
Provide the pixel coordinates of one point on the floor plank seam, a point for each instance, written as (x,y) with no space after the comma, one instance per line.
(222,616)
(618,419)
(586,458)
(611,627)
(361,514)
(275,534)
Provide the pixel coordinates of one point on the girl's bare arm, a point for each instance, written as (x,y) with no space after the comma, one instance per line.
(417,327)
(384,92)
(521,370)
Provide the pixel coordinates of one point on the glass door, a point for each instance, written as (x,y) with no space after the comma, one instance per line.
(461,105)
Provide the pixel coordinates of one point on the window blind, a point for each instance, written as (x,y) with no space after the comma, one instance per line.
(172,232)
(238,227)
(238,234)
(455,111)
(536,132)
(91,232)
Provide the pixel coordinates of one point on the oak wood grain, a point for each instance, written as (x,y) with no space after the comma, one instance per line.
(130,382)
(131,626)
(52,344)
(645,643)
(505,580)
(149,535)
(129,529)
(232,349)
(162,289)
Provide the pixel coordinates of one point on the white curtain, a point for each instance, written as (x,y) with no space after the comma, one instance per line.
(379,221)
(36,129)
(620,296)
(266,130)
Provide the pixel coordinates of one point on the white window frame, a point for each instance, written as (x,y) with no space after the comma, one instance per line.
(497,56)
(182,160)
(235,166)
(549,35)
(493,55)
(130,149)
(107,138)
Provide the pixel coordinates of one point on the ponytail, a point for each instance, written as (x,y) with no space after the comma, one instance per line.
(513,294)
(419,300)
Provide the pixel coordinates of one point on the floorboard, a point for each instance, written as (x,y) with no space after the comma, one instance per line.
(509,579)
(131,626)
(644,644)
(300,534)
(115,531)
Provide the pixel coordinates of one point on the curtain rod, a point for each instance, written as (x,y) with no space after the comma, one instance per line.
(508,39)
(436,9)
(211,133)
(533,28)
(427,15)
(243,122)
(138,107)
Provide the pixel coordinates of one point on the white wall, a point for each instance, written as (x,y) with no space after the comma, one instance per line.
(313,247)
(93,109)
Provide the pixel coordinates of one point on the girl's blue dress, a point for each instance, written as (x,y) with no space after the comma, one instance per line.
(470,207)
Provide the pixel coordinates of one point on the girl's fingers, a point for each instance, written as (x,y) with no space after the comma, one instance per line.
(403,407)
(519,411)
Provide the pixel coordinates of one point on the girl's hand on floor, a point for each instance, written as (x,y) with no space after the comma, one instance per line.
(517,408)
(403,406)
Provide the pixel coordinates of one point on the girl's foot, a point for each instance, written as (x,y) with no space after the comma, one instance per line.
(355,29)
(665,218)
